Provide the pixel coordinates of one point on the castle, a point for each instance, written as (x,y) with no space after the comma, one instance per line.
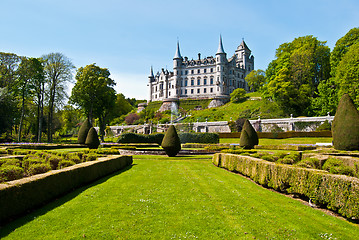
(210,77)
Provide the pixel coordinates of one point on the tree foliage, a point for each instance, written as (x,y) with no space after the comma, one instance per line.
(238,95)
(256,79)
(94,94)
(171,142)
(294,75)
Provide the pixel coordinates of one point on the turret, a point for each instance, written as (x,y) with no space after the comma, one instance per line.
(221,59)
(177,59)
(177,65)
(151,78)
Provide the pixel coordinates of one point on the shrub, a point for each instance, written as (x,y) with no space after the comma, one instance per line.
(92,140)
(310,163)
(238,95)
(65,163)
(140,138)
(171,142)
(131,118)
(84,129)
(89,157)
(74,157)
(291,158)
(10,172)
(13,162)
(345,126)
(199,137)
(249,137)
(326,126)
(336,166)
(31,160)
(54,162)
(38,168)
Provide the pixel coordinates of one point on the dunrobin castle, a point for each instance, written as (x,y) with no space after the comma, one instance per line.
(209,77)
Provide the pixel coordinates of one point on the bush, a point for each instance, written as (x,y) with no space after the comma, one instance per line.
(65,163)
(92,140)
(326,126)
(54,162)
(291,158)
(238,95)
(336,166)
(310,163)
(89,157)
(84,129)
(10,172)
(199,137)
(140,138)
(345,126)
(38,168)
(13,162)
(249,137)
(30,160)
(171,142)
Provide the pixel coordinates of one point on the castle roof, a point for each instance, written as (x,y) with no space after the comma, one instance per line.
(178,53)
(220,46)
(243,45)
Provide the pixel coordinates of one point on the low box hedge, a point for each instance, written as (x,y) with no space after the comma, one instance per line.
(19,196)
(199,137)
(336,192)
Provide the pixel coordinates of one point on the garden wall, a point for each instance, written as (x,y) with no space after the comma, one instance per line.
(336,192)
(19,196)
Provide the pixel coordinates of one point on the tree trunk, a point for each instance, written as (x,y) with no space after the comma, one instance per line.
(21,117)
(102,121)
(51,113)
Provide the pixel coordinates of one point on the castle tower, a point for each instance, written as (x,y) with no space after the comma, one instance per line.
(221,59)
(151,78)
(246,61)
(177,65)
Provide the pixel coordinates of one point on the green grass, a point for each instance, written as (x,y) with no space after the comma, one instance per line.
(267,141)
(177,198)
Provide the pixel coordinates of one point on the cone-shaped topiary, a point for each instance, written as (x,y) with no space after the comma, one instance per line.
(171,142)
(84,129)
(345,127)
(92,139)
(249,137)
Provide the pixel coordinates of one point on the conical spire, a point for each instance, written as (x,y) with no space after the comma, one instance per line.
(178,53)
(220,46)
(151,74)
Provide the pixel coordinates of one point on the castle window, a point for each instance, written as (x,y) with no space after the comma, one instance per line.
(204,70)
(181,92)
(156,88)
(211,81)
(211,69)
(185,83)
(191,91)
(205,81)
(192,71)
(211,89)
(204,90)
(198,90)
(186,72)
(199,71)
(185,91)
(192,82)
(169,93)
(198,81)
(217,69)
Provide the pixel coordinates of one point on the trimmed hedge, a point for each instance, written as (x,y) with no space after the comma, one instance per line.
(171,142)
(140,138)
(19,196)
(336,192)
(280,135)
(199,137)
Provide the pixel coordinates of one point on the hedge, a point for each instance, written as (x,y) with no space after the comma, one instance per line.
(199,137)
(19,196)
(280,135)
(336,192)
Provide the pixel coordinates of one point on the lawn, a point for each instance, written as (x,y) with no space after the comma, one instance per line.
(177,198)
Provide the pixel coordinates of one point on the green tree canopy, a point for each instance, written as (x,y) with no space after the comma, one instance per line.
(256,79)
(238,95)
(294,75)
(94,93)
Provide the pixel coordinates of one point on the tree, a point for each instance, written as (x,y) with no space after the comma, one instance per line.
(347,75)
(293,77)
(94,94)
(9,62)
(171,143)
(256,79)
(92,139)
(8,110)
(58,70)
(238,95)
(249,137)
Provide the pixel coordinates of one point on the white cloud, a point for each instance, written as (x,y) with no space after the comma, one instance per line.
(131,85)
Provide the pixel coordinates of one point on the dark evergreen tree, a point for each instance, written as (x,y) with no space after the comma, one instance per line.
(84,129)
(249,137)
(345,127)
(171,142)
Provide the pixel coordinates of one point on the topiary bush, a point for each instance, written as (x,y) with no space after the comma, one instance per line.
(92,140)
(84,129)
(345,128)
(249,137)
(171,142)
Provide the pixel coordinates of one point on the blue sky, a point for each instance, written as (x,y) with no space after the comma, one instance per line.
(127,37)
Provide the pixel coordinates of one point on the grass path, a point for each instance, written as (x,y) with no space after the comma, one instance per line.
(177,198)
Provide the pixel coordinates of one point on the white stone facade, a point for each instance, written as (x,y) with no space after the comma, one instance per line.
(209,77)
